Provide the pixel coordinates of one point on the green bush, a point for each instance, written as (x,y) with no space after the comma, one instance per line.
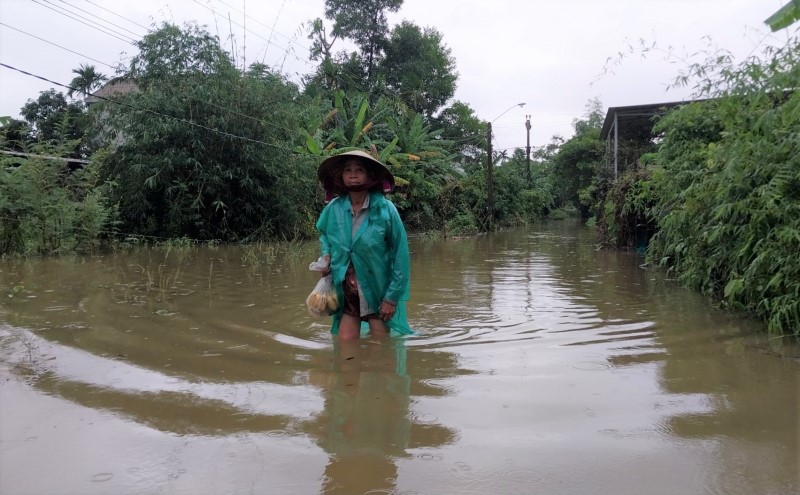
(462,224)
(728,197)
(626,219)
(45,208)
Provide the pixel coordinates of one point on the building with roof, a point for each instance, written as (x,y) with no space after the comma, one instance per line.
(628,132)
(114,88)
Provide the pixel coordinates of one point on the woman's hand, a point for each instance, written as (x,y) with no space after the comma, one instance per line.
(327,269)
(386,311)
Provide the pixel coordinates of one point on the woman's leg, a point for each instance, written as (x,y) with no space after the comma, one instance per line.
(350,327)
(378,328)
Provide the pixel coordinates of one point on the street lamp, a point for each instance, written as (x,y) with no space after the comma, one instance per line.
(490,165)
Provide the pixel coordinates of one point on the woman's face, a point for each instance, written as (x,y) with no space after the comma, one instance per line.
(354,174)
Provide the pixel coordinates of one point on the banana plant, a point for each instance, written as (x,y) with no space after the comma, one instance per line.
(356,123)
(350,124)
(415,143)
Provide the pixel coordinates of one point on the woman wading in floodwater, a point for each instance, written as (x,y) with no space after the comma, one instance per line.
(364,240)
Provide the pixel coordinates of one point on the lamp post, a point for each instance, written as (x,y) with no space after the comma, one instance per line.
(490,165)
(528,151)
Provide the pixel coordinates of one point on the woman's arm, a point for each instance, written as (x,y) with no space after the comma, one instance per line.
(401,259)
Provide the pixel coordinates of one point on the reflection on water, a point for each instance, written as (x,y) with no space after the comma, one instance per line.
(366,425)
(540,365)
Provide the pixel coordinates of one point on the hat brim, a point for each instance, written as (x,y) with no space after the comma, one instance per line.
(330,172)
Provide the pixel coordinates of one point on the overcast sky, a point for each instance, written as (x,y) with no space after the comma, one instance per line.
(549,54)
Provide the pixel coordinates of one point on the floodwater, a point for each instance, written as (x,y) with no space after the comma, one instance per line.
(539,366)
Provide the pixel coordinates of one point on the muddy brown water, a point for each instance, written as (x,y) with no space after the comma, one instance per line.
(539,366)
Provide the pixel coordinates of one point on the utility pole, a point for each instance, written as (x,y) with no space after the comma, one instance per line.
(490,166)
(528,150)
(489,171)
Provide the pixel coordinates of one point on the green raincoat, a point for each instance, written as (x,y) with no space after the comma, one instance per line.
(378,252)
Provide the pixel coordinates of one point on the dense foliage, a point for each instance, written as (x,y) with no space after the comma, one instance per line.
(206,153)
(46,208)
(721,193)
(53,120)
(728,190)
(626,217)
(365,22)
(578,162)
(201,149)
(418,68)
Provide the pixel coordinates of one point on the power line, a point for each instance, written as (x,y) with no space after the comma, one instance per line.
(98,17)
(116,68)
(287,51)
(86,23)
(149,30)
(352,81)
(346,79)
(264,122)
(56,45)
(178,119)
(153,112)
(117,34)
(120,16)
(272,29)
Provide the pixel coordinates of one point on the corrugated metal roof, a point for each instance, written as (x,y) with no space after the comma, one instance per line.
(633,123)
(636,120)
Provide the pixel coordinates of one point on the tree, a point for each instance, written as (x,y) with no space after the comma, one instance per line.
(593,117)
(86,81)
(45,112)
(422,160)
(342,72)
(419,68)
(321,44)
(14,134)
(579,160)
(364,22)
(54,120)
(172,51)
(206,150)
(461,126)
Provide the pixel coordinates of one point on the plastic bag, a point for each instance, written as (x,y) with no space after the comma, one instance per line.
(323,300)
(320,265)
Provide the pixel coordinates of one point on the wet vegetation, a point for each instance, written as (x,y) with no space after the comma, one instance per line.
(721,192)
(205,150)
(727,191)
